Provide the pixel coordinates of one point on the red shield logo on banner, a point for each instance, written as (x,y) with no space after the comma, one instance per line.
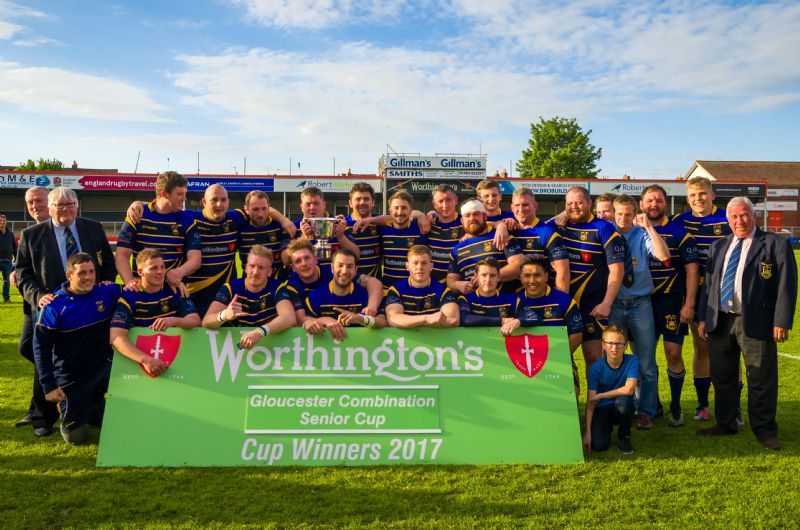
(162,347)
(528,353)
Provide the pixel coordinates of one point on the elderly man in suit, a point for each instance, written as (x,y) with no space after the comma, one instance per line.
(41,265)
(748,306)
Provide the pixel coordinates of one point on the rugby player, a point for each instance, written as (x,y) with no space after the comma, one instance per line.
(340,303)
(161,224)
(489,193)
(400,233)
(707,224)
(312,204)
(486,305)
(604,206)
(154,306)
(251,301)
(446,229)
(71,347)
(596,267)
(477,244)
(264,229)
(675,283)
(536,237)
(368,238)
(418,301)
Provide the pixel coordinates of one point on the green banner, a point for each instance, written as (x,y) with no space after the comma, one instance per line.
(390,396)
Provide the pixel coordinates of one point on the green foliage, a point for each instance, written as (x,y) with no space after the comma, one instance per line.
(558,149)
(41,165)
(674,478)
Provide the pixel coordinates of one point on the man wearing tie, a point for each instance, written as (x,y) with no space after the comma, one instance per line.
(748,306)
(42,258)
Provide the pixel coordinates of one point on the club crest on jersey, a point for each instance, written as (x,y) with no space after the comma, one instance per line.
(503,312)
(584,236)
(487,246)
(454,233)
(165,305)
(226,226)
(273,237)
(100,306)
(262,304)
(529,243)
(528,353)
(176,230)
(671,322)
(410,243)
(162,347)
(427,304)
(766,269)
(372,230)
(548,312)
(717,230)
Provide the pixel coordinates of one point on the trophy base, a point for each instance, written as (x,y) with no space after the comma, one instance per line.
(323,252)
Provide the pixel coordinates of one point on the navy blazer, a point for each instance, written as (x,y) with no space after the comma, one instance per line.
(39,268)
(769,285)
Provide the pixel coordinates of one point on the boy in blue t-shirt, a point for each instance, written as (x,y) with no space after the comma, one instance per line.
(612,381)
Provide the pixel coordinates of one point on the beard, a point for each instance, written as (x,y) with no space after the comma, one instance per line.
(475,229)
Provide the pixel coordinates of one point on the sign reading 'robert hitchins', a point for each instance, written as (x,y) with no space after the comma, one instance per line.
(378,397)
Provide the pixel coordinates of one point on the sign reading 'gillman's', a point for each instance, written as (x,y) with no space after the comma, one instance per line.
(461,396)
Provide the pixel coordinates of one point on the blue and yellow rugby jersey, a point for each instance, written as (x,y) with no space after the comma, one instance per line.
(141,309)
(442,238)
(592,246)
(296,290)
(369,245)
(220,240)
(395,243)
(542,240)
(504,214)
(173,234)
(324,263)
(260,307)
(500,305)
(466,254)
(555,308)
(271,235)
(322,301)
(669,277)
(71,337)
(706,230)
(419,300)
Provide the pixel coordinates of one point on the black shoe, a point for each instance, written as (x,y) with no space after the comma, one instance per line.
(41,432)
(25,421)
(625,445)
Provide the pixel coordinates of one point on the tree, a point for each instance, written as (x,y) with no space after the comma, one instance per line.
(559,149)
(41,165)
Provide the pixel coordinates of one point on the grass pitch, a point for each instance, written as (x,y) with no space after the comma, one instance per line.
(674,478)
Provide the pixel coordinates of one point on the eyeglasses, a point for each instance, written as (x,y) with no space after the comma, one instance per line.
(614,344)
(65,205)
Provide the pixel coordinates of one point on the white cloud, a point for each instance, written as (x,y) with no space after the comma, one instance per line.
(8,30)
(64,93)
(317,14)
(37,41)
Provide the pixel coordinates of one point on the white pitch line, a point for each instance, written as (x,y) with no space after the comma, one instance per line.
(795,357)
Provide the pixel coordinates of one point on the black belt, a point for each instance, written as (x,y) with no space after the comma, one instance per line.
(731,313)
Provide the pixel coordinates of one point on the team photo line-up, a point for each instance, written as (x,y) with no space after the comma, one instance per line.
(623,275)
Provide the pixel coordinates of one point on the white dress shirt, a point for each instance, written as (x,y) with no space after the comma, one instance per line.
(737,282)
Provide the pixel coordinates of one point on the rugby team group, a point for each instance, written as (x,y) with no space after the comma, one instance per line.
(623,275)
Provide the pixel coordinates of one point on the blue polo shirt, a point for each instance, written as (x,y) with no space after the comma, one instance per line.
(641,248)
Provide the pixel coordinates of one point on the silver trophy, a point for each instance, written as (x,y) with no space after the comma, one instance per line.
(323,228)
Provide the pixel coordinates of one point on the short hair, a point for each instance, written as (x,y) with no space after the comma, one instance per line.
(741,200)
(443,188)
(420,250)
(605,197)
(615,329)
(583,191)
(35,189)
(300,243)
(403,196)
(487,184)
(169,180)
(77,259)
(255,194)
(57,194)
(535,259)
(146,255)
(626,200)
(362,187)
(312,191)
(2,216)
(699,182)
(344,252)
(488,262)
(523,192)
(261,251)
(653,188)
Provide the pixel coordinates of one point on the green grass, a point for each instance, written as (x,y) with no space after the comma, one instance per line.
(674,479)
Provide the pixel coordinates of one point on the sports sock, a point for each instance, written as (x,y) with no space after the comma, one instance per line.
(701,386)
(675,389)
(741,386)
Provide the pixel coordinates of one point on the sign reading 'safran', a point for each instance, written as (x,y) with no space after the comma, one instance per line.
(461,396)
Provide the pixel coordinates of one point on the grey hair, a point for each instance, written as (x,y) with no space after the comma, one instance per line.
(741,200)
(34,189)
(57,194)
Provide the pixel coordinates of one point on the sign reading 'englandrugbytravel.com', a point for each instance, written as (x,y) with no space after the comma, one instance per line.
(460,396)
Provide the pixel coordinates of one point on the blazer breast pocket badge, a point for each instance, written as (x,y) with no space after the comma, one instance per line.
(766,269)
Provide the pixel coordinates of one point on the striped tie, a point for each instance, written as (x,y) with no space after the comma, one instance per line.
(72,245)
(729,278)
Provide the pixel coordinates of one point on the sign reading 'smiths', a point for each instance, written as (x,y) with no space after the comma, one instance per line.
(379,397)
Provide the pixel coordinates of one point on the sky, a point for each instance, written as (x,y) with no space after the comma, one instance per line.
(330,85)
